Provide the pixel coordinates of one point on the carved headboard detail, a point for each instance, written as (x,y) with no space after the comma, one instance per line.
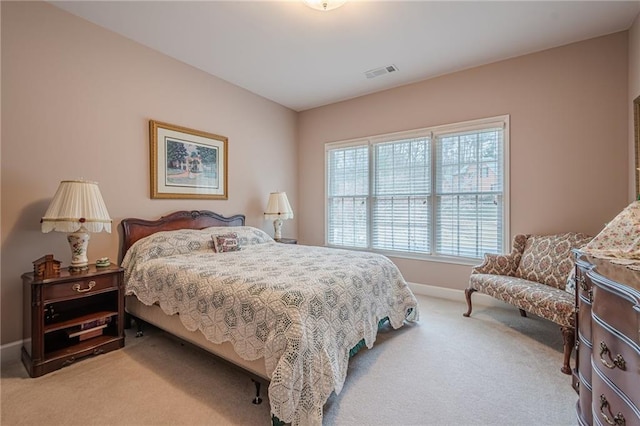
(135,229)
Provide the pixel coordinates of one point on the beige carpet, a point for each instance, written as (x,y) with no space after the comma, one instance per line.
(495,368)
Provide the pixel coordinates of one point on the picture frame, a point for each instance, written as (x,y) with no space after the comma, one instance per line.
(187,163)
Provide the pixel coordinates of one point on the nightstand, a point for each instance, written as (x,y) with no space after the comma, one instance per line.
(287,241)
(71,316)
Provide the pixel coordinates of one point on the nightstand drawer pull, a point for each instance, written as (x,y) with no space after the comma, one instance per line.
(617,362)
(618,419)
(77,287)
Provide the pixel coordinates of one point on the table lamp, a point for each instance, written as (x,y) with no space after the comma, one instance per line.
(278,209)
(77,208)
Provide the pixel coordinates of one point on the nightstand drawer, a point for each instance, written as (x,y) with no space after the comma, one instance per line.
(79,287)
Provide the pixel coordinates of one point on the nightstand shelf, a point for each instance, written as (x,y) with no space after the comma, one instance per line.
(93,346)
(83,319)
(71,316)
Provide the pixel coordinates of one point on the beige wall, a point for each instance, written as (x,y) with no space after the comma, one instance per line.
(569,141)
(634,92)
(76,101)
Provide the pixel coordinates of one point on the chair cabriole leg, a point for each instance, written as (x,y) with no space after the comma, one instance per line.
(569,338)
(467,294)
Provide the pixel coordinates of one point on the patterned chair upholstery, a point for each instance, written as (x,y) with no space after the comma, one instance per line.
(533,277)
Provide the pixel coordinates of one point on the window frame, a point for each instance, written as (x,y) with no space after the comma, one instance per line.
(432,133)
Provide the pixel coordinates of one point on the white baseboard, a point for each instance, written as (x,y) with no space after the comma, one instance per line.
(10,352)
(455,295)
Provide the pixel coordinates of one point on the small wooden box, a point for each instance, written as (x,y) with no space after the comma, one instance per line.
(46,267)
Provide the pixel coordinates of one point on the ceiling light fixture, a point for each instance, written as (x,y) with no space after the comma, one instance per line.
(324,5)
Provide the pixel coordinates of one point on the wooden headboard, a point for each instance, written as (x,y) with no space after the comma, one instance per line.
(134,229)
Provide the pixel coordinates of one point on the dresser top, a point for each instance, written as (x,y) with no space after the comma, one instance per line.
(618,274)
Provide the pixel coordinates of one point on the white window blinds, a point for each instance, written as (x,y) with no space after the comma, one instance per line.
(348,192)
(469,194)
(432,192)
(401,195)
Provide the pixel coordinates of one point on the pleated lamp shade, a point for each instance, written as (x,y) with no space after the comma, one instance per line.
(278,207)
(77,203)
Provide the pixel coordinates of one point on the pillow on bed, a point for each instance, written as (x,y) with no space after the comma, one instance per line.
(247,235)
(226,242)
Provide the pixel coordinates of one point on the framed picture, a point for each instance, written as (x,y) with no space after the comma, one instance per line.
(187,163)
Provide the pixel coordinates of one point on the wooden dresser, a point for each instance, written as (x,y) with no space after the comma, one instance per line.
(607,373)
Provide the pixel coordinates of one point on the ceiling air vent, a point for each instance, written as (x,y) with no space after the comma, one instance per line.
(380,71)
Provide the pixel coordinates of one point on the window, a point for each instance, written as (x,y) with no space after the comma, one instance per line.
(437,192)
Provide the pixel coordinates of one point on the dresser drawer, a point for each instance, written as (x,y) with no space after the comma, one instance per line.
(584,320)
(584,359)
(617,312)
(608,406)
(584,401)
(583,284)
(616,360)
(78,287)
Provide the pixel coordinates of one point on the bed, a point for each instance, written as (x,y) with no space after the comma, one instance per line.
(289,314)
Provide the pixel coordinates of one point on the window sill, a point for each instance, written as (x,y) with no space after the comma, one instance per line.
(422,257)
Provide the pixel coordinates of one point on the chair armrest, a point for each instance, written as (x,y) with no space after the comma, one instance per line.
(497,264)
(503,264)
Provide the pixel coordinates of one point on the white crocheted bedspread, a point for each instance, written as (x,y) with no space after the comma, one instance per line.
(302,308)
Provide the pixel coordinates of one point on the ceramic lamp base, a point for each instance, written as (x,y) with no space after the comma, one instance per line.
(277,229)
(79,241)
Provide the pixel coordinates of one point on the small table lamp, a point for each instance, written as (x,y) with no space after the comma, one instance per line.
(279,209)
(77,208)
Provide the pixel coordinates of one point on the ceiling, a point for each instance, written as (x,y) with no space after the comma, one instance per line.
(303,58)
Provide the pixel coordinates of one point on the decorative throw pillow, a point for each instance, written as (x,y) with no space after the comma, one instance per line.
(548,259)
(226,242)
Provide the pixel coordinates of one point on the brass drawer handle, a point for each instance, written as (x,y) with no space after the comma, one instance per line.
(617,362)
(618,419)
(78,287)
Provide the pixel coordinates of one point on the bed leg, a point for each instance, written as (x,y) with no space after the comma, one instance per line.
(127,320)
(257,400)
(140,330)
